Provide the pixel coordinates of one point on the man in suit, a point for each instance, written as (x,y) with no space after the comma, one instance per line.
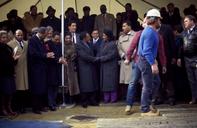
(97,42)
(105,21)
(72,27)
(71,15)
(86,61)
(20,48)
(37,57)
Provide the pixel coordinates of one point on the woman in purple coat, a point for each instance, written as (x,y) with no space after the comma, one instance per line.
(109,67)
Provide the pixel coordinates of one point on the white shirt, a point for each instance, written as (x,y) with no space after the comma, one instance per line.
(74,38)
(190,30)
(21,44)
(129,33)
(95,40)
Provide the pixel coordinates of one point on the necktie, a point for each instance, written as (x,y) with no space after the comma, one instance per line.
(73,38)
(21,44)
(104,19)
(190,31)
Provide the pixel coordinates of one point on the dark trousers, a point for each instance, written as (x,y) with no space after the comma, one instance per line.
(38,102)
(20,100)
(167,90)
(88,98)
(52,95)
(191,69)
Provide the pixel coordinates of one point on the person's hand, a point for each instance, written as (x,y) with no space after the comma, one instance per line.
(154,68)
(62,60)
(178,62)
(126,62)
(16,57)
(97,59)
(50,55)
(164,70)
(173,61)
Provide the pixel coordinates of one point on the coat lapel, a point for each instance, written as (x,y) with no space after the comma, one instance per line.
(20,50)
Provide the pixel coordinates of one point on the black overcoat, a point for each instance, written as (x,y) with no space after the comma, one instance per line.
(86,68)
(37,66)
(53,65)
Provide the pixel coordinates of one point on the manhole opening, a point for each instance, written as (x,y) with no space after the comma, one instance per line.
(84,117)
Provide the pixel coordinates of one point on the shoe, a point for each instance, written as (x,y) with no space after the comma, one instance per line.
(52,108)
(113,101)
(43,109)
(84,105)
(128,110)
(157,102)
(153,108)
(22,110)
(37,112)
(10,112)
(171,101)
(70,105)
(150,113)
(5,113)
(94,104)
(193,102)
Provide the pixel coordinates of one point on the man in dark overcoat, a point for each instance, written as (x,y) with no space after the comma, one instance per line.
(86,67)
(37,57)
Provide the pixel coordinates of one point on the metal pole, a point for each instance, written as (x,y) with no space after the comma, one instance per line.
(76,6)
(62,39)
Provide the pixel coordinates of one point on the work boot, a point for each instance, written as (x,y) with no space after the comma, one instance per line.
(151,113)
(128,110)
(153,108)
(193,101)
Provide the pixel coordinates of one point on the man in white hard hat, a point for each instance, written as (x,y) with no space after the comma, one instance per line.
(147,64)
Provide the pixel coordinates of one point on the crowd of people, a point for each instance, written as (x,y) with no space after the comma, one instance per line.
(105,59)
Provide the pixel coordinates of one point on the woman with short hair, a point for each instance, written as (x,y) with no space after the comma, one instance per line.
(7,80)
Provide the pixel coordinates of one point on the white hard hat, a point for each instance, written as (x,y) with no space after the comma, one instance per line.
(154,13)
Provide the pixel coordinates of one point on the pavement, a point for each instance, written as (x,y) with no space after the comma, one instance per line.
(113,116)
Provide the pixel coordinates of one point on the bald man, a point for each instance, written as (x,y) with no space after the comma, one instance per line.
(20,48)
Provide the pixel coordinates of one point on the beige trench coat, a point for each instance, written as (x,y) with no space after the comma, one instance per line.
(21,66)
(123,45)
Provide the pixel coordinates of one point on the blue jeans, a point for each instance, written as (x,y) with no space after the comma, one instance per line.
(147,80)
(135,77)
(155,86)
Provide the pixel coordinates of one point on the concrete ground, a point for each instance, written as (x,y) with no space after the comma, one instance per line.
(113,116)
